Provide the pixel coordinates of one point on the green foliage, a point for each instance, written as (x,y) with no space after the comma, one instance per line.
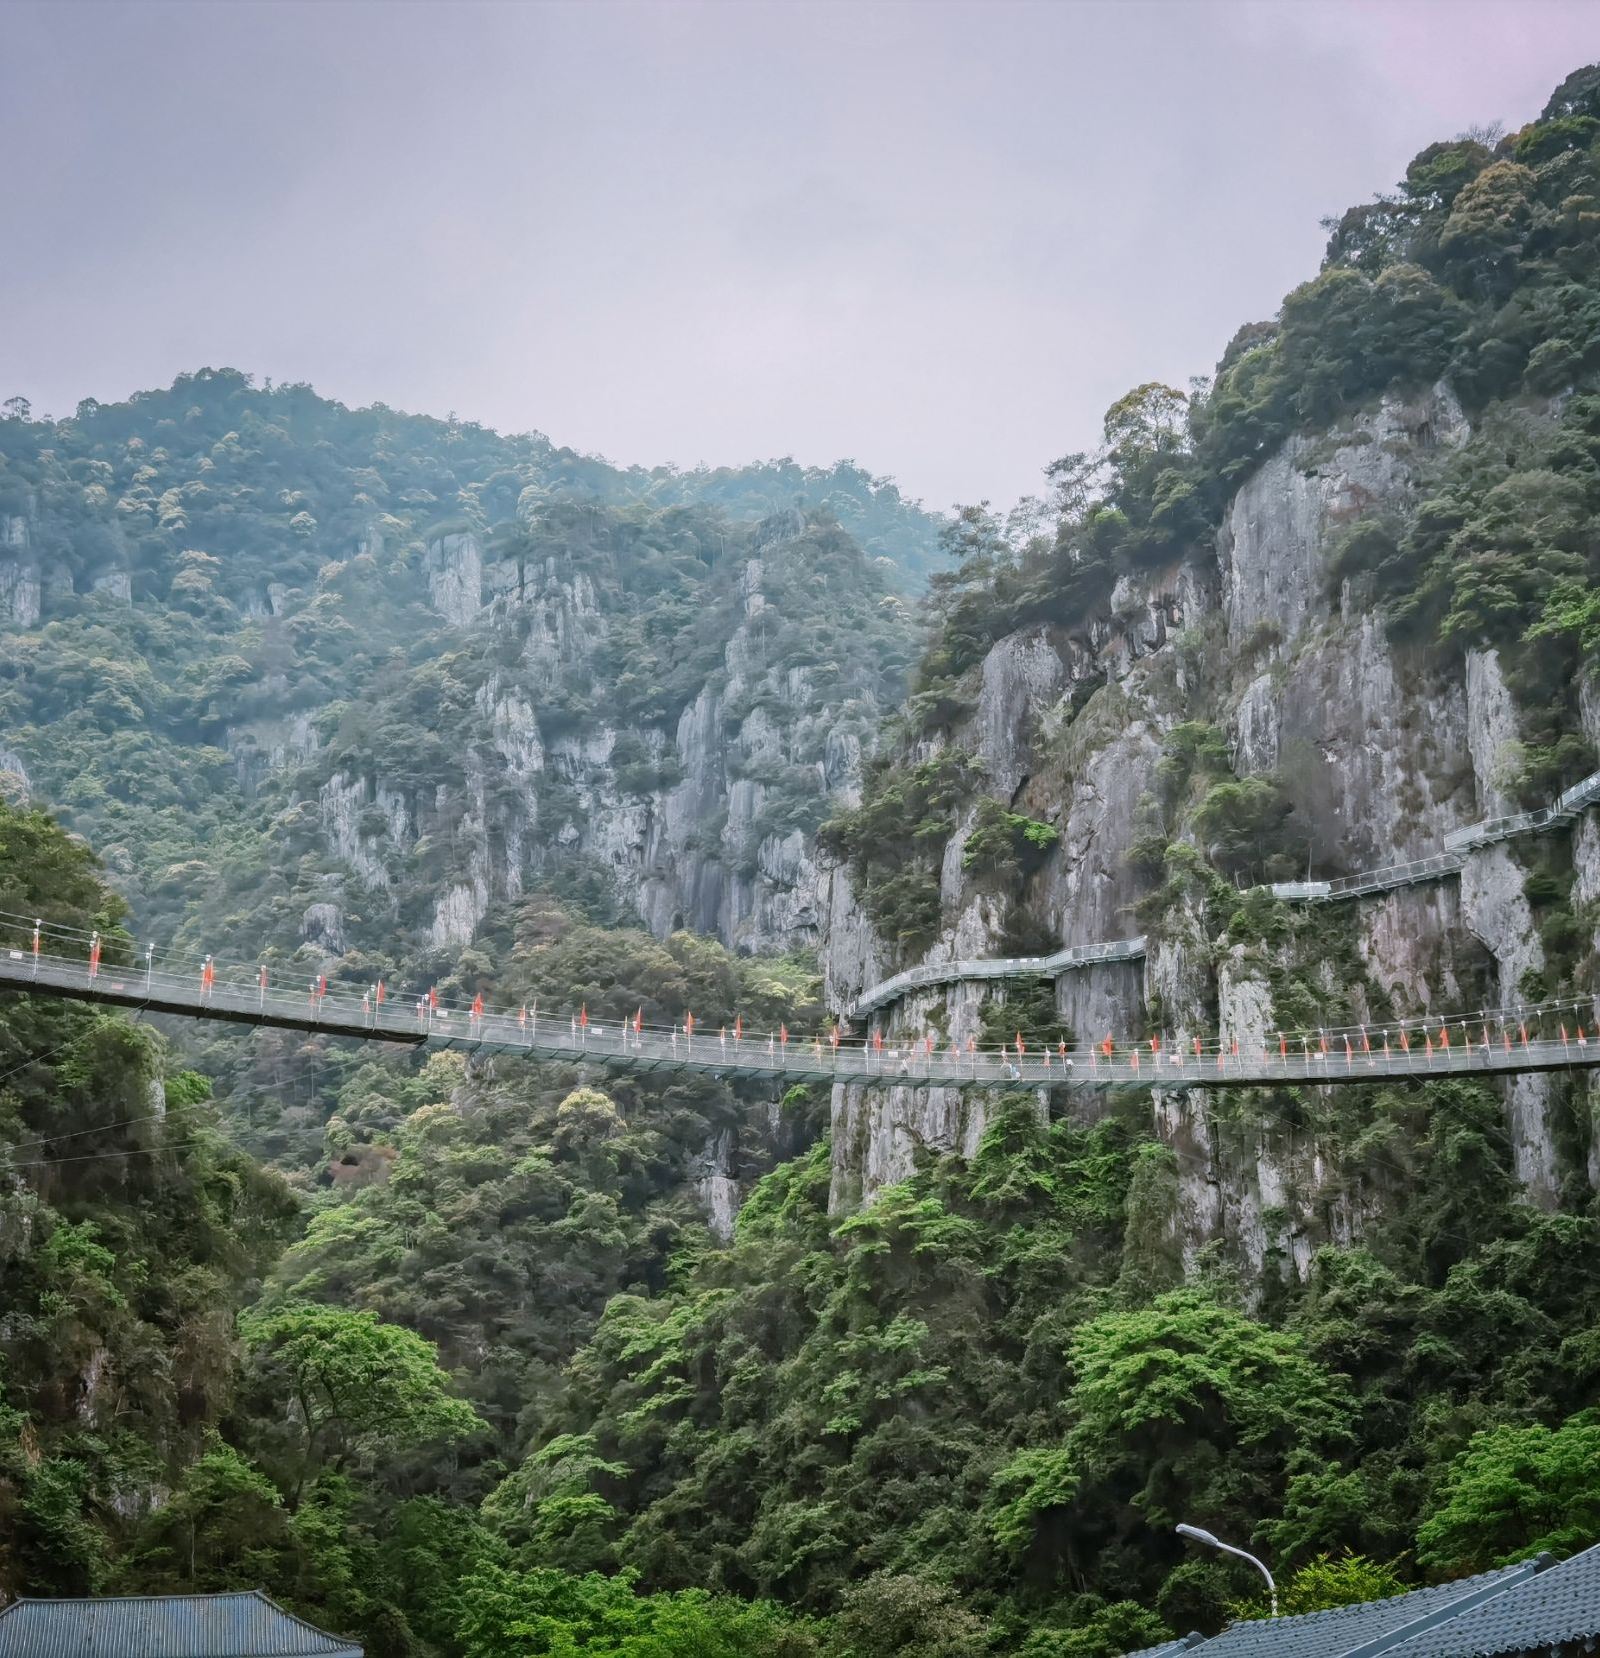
(130,1233)
(1180,1410)
(1107,1632)
(507,1614)
(353,1390)
(1242,823)
(1005,845)
(1480,271)
(902,1616)
(502,1394)
(895,839)
(1515,1491)
(1326,1582)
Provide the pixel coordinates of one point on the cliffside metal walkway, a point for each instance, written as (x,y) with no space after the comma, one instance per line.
(1556,1037)
(998,967)
(1458,844)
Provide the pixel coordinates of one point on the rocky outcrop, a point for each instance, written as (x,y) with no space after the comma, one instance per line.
(21,582)
(1276,533)
(14,784)
(455,577)
(1381,755)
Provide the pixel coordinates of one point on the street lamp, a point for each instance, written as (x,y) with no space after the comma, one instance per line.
(1211,1542)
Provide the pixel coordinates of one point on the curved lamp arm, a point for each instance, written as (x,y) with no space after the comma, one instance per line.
(1211,1542)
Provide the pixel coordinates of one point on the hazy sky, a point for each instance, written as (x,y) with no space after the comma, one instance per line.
(936,238)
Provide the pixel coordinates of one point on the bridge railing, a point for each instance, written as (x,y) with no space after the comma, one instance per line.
(1369,880)
(1552,1036)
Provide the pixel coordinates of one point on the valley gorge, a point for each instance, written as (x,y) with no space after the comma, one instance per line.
(381,697)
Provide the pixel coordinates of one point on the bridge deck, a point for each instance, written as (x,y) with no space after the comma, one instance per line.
(541,1038)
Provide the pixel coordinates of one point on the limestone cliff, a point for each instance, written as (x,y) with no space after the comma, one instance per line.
(1378,751)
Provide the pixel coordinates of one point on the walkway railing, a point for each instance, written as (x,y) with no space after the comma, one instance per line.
(1549,1037)
(1457,845)
(1006,967)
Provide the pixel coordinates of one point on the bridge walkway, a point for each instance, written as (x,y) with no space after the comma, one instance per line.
(1491,1043)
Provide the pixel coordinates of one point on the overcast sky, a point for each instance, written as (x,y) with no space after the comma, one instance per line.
(936,238)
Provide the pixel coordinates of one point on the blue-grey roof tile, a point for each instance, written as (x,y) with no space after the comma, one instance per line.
(164,1626)
(1561,1603)
(1334,1633)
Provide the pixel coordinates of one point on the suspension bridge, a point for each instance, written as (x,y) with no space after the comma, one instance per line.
(1458,846)
(63,962)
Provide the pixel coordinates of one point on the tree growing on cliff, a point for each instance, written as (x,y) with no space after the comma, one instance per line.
(350,1389)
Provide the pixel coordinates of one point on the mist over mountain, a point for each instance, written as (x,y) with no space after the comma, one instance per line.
(472,1355)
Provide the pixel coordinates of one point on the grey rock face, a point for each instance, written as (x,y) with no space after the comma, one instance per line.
(14,781)
(1020,677)
(1381,754)
(455,577)
(21,590)
(1276,532)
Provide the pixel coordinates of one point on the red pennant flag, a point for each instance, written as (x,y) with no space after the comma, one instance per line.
(1405,1041)
(433,1000)
(783,1035)
(477,1006)
(688,1024)
(583,1016)
(1019,1042)
(638,1020)
(1429,1041)
(738,1026)
(877,1040)
(380,993)
(833,1034)
(1283,1047)
(1108,1046)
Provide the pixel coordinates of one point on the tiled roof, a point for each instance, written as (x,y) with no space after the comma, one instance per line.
(1559,1604)
(1360,1631)
(1332,1634)
(164,1626)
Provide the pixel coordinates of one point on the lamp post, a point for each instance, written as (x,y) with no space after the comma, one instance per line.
(1211,1542)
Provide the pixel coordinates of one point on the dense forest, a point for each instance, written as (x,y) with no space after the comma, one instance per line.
(464,1359)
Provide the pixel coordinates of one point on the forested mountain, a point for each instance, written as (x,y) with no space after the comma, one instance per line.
(519,1360)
